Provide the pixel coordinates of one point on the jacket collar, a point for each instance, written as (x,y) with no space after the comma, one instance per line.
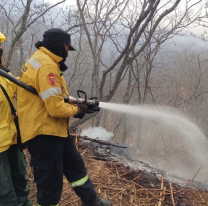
(56,58)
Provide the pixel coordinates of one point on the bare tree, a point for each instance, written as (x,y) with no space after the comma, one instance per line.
(155,20)
(19,16)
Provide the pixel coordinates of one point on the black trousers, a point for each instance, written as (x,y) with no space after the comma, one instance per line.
(51,157)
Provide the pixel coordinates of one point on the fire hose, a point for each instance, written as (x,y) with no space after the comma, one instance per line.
(68,99)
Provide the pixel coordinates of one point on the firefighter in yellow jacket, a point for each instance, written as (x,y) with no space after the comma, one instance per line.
(13,180)
(43,121)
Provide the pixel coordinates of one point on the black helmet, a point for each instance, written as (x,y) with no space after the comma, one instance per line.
(58,35)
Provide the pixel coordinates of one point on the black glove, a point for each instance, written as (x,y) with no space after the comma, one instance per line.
(91,108)
(82,110)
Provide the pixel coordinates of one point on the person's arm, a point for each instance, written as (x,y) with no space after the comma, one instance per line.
(48,86)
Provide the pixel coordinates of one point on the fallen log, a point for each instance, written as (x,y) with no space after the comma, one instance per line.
(96,141)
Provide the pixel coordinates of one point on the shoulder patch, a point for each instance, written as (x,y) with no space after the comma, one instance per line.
(51,79)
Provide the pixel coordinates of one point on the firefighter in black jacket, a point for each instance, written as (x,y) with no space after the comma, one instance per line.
(44,120)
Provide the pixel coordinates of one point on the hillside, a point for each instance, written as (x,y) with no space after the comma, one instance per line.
(127,187)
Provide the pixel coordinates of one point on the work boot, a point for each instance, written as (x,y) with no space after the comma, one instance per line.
(100,202)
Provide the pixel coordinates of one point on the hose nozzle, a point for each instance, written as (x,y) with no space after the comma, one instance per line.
(90,102)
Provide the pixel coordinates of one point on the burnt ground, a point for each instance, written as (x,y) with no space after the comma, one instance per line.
(125,186)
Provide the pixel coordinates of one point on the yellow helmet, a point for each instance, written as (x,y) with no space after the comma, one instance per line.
(2,37)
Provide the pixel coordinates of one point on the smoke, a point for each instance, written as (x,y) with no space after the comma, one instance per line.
(167,139)
(97,132)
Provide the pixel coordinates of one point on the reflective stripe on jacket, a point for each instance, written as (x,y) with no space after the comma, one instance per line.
(47,113)
(8,132)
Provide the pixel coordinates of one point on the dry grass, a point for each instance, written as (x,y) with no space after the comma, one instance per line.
(125,187)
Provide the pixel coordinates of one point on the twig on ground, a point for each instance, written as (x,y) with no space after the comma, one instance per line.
(191,180)
(171,189)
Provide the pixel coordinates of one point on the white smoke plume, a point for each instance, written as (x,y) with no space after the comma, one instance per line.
(97,132)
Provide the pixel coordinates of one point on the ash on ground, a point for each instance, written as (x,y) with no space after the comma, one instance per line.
(123,155)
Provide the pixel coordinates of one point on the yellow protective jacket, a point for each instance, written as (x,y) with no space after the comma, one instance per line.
(8,132)
(47,113)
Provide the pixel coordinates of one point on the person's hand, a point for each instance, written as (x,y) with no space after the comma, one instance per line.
(82,110)
(0,45)
(93,108)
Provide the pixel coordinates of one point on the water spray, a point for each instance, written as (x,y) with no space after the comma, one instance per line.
(190,138)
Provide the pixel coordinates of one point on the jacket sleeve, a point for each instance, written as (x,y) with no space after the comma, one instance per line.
(49,87)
